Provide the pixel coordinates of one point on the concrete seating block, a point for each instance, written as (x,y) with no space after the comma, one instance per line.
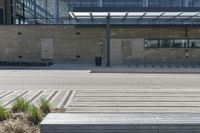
(121,123)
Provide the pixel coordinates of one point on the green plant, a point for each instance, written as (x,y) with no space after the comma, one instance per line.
(45,106)
(20,105)
(33,115)
(4,114)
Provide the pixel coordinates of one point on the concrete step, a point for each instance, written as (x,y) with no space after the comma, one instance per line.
(121,123)
(132,109)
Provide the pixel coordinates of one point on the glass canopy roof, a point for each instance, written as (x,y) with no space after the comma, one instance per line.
(137,17)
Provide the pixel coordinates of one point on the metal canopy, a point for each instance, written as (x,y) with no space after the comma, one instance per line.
(137,17)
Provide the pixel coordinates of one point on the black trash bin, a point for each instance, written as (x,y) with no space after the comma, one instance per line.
(98,60)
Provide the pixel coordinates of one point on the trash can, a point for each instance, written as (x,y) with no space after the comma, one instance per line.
(98,60)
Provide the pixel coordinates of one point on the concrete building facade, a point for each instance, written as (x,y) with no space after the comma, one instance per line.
(152,33)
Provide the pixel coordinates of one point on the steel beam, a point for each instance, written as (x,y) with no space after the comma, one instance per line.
(141,17)
(190,17)
(157,17)
(174,17)
(91,16)
(126,15)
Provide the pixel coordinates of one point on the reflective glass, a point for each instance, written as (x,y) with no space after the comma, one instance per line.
(41,8)
(29,9)
(180,43)
(153,3)
(120,3)
(85,3)
(132,3)
(190,3)
(196,3)
(108,3)
(151,43)
(77,3)
(166,43)
(140,3)
(165,3)
(176,3)
(194,43)
(51,9)
(63,9)
(57,11)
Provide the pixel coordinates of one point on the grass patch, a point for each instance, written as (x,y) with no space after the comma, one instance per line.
(45,106)
(33,115)
(20,105)
(4,114)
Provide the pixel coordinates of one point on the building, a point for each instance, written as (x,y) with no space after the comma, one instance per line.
(121,31)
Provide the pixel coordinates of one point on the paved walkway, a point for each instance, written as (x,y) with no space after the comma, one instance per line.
(115,101)
(76,90)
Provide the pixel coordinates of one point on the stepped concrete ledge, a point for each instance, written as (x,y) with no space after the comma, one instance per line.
(90,68)
(121,123)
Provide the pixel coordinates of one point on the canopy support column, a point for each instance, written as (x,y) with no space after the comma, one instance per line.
(108,31)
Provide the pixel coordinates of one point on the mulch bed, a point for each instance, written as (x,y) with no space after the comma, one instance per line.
(18,123)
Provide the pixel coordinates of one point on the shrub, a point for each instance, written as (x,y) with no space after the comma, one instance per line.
(45,106)
(33,115)
(4,114)
(20,105)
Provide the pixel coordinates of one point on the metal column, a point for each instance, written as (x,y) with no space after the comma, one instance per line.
(108,31)
(56,12)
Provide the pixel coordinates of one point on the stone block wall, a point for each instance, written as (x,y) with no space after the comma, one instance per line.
(81,44)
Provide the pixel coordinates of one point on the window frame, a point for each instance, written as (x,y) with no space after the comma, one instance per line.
(173,39)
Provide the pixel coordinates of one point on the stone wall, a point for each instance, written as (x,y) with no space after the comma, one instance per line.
(81,44)
(128,44)
(70,44)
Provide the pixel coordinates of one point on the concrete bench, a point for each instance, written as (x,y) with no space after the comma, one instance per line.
(121,123)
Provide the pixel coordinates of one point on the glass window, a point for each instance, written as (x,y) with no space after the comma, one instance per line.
(120,3)
(77,3)
(108,3)
(196,3)
(194,43)
(153,3)
(63,9)
(19,9)
(176,3)
(165,3)
(40,8)
(151,43)
(51,11)
(140,3)
(94,3)
(180,43)
(85,3)
(190,3)
(185,3)
(166,43)
(132,3)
